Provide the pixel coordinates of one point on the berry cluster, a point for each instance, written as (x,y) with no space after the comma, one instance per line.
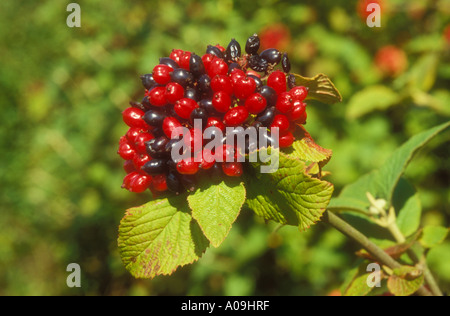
(222,88)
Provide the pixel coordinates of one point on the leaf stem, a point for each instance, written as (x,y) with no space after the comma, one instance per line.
(378,253)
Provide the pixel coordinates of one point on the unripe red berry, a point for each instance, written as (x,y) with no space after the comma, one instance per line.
(222,83)
(140,159)
(169,125)
(217,67)
(299,93)
(176,54)
(188,166)
(221,101)
(285,102)
(286,140)
(217,122)
(161,74)
(277,80)
(280,121)
(126,151)
(207,58)
(184,107)
(236,116)
(136,182)
(244,87)
(133,117)
(159,182)
(184,60)
(255,103)
(298,112)
(232,169)
(156,96)
(173,92)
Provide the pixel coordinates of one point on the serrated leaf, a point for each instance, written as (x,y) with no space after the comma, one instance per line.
(382,182)
(433,236)
(358,286)
(370,99)
(288,195)
(320,88)
(216,207)
(306,149)
(158,237)
(405,281)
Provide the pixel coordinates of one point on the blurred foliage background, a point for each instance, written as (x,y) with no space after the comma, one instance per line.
(62,91)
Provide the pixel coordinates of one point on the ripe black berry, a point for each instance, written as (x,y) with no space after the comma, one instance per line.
(233,51)
(213,50)
(155,167)
(147,81)
(257,63)
(168,62)
(182,76)
(266,117)
(285,63)
(154,118)
(173,182)
(196,65)
(252,45)
(270,94)
(156,147)
(272,55)
(191,93)
(199,113)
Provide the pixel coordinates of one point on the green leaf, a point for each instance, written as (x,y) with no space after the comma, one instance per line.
(306,149)
(433,236)
(372,98)
(158,237)
(382,182)
(320,88)
(407,204)
(358,285)
(405,281)
(216,207)
(288,195)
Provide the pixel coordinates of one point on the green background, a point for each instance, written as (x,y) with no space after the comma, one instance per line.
(62,91)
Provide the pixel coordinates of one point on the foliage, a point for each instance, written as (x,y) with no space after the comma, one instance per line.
(62,91)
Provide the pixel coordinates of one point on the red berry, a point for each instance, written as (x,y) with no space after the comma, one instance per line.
(140,141)
(126,151)
(286,140)
(244,87)
(217,122)
(133,133)
(159,182)
(136,182)
(133,117)
(299,93)
(280,121)
(277,81)
(184,107)
(169,125)
(232,169)
(188,166)
(236,116)
(176,54)
(207,159)
(207,58)
(285,102)
(222,83)
(161,74)
(221,101)
(128,166)
(217,67)
(222,49)
(173,92)
(194,140)
(184,60)
(140,159)
(236,74)
(156,96)
(255,103)
(298,112)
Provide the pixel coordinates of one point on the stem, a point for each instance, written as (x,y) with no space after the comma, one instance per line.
(364,242)
(429,279)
